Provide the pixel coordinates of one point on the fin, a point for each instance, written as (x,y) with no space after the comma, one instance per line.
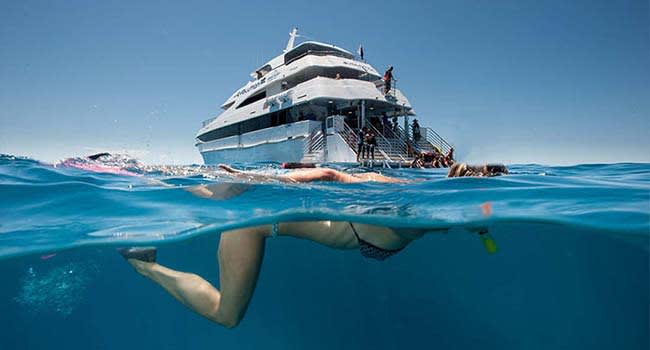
(146,254)
(98,155)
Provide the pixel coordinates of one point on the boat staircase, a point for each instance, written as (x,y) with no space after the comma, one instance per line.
(393,149)
(394,146)
(389,150)
(430,141)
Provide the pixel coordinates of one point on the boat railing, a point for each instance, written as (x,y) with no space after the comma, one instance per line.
(380,84)
(315,143)
(314,146)
(435,139)
(207,121)
(430,136)
(349,136)
(407,138)
(405,135)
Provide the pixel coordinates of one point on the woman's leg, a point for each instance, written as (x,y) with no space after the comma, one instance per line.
(249,175)
(240,258)
(321,174)
(302,175)
(375,177)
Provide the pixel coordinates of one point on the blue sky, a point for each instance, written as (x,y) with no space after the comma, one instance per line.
(552,82)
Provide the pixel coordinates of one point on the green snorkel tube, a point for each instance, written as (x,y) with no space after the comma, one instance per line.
(488,242)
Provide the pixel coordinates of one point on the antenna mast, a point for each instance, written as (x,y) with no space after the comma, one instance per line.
(292,38)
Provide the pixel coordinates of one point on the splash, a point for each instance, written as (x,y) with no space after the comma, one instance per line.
(57,289)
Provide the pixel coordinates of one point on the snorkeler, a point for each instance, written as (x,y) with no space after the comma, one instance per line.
(328,174)
(241,251)
(313,174)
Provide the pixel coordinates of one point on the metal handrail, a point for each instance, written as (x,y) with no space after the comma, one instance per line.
(407,140)
(434,136)
(431,137)
(315,142)
(207,121)
(380,84)
(403,146)
(349,136)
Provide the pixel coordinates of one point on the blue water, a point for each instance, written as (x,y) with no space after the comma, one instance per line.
(571,271)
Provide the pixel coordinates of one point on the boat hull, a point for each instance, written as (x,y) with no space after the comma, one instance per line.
(281,151)
(304,142)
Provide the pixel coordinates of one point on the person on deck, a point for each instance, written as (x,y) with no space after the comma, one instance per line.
(388,79)
(385,123)
(416,130)
(361,136)
(371,144)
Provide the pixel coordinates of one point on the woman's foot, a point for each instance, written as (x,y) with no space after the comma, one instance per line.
(146,254)
(141,258)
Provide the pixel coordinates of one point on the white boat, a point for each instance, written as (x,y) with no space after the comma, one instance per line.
(307,105)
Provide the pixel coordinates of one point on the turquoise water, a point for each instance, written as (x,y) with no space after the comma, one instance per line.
(571,269)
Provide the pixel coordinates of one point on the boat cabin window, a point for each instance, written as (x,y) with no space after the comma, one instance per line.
(258,96)
(225,107)
(229,130)
(276,118)
(314,49)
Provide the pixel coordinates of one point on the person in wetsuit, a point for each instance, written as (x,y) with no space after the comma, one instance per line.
(371,144)
(361,143)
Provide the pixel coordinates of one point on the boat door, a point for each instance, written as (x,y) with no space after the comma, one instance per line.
(334,124)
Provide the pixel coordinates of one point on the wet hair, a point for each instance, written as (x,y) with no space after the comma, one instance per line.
(462,169)
(457,170)
(496,169)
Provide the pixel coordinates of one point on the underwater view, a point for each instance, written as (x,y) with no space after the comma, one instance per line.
(546,257)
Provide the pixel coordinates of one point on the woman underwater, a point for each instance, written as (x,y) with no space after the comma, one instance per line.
(241,251)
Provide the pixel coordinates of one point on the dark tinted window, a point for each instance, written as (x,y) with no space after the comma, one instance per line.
(256,97)
(220,133)
(243,127)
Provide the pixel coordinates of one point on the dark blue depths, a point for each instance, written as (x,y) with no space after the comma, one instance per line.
(549,287)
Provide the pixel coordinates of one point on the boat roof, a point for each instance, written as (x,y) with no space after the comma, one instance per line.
(280,59)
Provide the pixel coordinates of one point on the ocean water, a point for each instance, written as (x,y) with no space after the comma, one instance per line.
(571,270)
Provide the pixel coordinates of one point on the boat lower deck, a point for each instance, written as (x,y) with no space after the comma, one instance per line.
(312,141)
